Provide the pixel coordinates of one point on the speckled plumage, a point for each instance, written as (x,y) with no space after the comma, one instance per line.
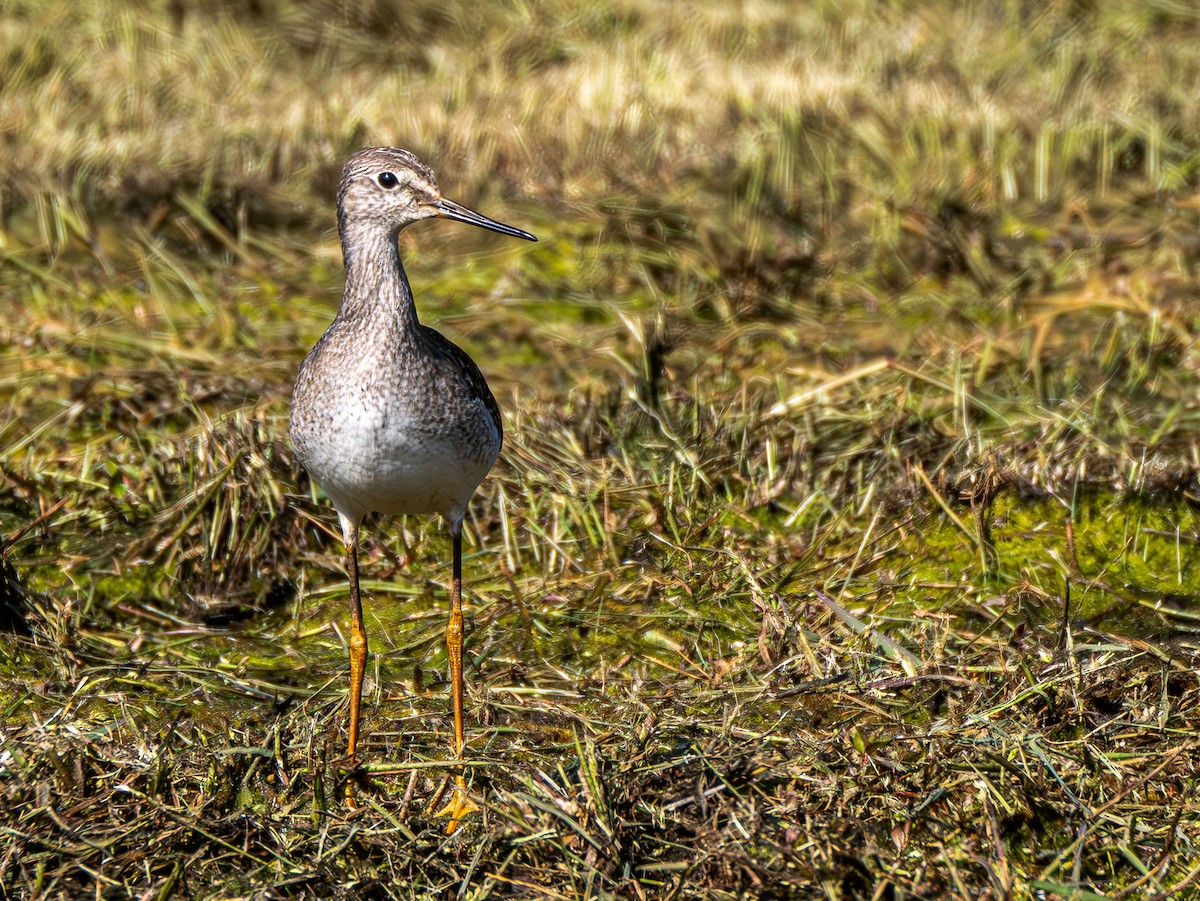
(389,416)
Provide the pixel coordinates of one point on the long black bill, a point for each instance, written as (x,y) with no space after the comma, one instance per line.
(448,209)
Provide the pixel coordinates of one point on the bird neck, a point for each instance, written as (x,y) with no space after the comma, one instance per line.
(376,286)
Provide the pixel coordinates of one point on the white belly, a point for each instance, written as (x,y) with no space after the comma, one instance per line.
(392,461)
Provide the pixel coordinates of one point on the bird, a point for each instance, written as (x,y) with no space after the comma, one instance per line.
(387,415)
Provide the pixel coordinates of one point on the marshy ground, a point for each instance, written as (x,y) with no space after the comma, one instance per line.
(845,543)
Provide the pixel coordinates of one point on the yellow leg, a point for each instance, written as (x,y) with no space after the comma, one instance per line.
(460,803)
(358,652)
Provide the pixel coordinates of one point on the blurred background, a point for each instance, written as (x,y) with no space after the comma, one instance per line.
(858,350)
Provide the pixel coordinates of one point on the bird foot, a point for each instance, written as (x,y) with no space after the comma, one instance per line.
(459,805)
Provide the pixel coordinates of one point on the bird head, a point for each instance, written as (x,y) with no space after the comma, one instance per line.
(392,188)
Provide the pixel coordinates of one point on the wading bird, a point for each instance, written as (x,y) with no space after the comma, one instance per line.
(387,415)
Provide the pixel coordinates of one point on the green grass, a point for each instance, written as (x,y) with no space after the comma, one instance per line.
(844,540)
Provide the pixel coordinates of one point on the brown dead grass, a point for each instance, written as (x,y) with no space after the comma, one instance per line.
(844,542)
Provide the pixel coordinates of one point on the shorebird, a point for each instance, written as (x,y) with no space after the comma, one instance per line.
(388,416)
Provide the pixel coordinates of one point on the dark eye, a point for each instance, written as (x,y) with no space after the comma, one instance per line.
(388,180)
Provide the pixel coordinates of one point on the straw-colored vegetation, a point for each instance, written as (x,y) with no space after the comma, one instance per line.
(845,543)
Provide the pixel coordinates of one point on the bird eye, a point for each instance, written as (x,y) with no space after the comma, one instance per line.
(388,180)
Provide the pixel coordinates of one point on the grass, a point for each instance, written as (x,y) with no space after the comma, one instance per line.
(845,539)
